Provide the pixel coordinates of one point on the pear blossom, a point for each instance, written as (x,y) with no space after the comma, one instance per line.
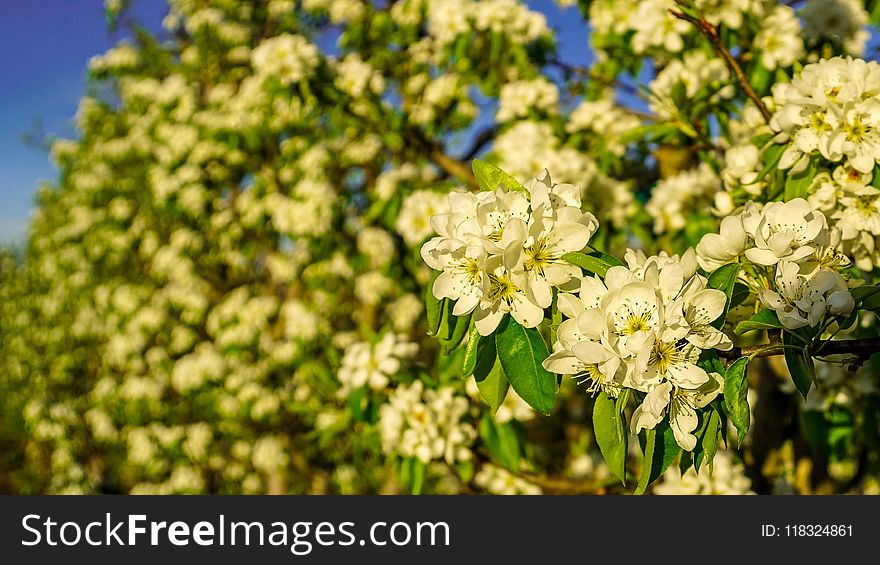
(644,327)
(802,300)
(680,404)
(373,365)
(785,230)
(717,249)
(500,296)
(500,252)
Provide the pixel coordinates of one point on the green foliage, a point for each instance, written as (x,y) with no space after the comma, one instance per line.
(800,364)
(724,279)
(597,263)
(736,389)
(490,177)
(612,434)
(763,320)
(521,351)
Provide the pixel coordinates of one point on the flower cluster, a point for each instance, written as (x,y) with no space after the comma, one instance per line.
(792,260)
(426,424)
(373,365)
(675,199)
(501,252)
(727,478)
(852,205)
(519,98)
(644,328)
(498,480)
(831,109)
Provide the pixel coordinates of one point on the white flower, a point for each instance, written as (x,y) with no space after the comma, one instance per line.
(785,230)
(717,249)
(802,300)
(501,252)
(414,220)
(289,58)
(377,245)
(702,306)
(681,404)
(675,199)
(830,108)
(644,328)
(841,21)
(655,26)
(463,273)
(500,296)
(858,136)
(537,256)
(497,480)
(520,97)
(373,365)
(727,478)
(779,40)
(426,424)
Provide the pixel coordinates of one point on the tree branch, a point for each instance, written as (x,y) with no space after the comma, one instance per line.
(436,153)
(862,348)
(562,485)
(480,141)
(711,33)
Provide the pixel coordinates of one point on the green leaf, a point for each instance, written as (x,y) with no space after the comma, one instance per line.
(469,362)
(649,133)
(736,396)
(708,440)
(501,441)
(486,357)
(589,263)
(770,157)
(418,476)
(867,297)
(661,451)
(710,362)
(490,177)
(796,186)
(740,293)
(433,306)
(493,388)
(800,365)
(763,320)
(460,326)
(724,279)
(647,461)
(448,321)
(522,350)
(678,94)
(609,425)
(610,259)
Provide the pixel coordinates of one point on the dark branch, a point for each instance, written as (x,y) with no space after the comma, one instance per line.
(861,348)
(480,141)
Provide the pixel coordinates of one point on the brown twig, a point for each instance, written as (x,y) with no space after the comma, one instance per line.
(584,72)
(435,151)
(862,348)
(562,485)
(711,33)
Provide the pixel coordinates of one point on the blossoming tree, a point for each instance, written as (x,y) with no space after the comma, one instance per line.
(403,246)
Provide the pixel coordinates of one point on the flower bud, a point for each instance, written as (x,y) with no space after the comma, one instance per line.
(841,303)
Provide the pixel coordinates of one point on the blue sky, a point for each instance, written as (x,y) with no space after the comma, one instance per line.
(44,48)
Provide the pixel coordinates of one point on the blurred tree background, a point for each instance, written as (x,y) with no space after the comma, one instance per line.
(222,290)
